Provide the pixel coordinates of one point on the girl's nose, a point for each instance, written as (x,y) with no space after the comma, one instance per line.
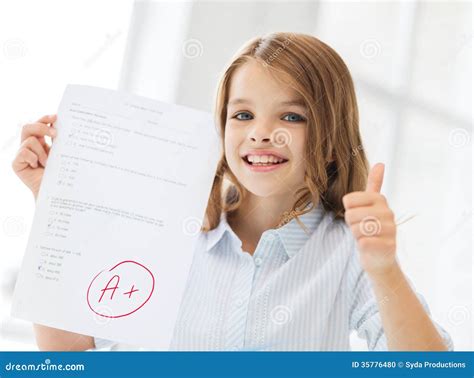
(260,134)
(257,139)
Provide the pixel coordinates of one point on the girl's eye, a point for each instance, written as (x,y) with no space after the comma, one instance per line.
(245,116)
(293,117)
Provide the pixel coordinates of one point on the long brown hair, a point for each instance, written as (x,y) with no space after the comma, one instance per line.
(335,160)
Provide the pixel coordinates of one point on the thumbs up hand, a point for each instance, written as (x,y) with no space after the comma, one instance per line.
(372,223)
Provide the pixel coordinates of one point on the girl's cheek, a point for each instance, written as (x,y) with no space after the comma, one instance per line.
(298,153)
(233,138)
(297,145)
(228,147)
(231,146)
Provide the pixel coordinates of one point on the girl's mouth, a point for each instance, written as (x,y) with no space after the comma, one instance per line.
(263,164)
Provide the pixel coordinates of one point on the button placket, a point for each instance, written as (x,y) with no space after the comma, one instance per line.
(260,254)
(246,277)
(240,297)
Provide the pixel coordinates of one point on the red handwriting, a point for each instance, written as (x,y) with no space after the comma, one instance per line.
(130,278)
(131,291)
(110,288)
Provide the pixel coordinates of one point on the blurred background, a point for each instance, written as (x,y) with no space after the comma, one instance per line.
(412,66)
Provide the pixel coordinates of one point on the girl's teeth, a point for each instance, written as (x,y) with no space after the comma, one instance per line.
(263,159)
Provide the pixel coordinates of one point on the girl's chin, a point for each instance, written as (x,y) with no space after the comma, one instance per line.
(261,190)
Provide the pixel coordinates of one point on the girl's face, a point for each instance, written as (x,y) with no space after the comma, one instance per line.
(265,132)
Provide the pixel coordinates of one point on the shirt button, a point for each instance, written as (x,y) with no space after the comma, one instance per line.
(258,261)
(239,302)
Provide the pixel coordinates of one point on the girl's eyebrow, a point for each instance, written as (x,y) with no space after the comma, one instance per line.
(286,103)
(294,102)
(239,101)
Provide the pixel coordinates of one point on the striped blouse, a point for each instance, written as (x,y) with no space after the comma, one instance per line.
(299,291)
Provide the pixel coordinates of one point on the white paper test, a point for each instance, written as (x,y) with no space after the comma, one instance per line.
(117,216)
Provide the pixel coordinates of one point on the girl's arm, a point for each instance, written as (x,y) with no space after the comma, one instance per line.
(52,339)
(406,324)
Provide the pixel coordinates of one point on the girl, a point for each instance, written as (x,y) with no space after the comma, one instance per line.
(298,245)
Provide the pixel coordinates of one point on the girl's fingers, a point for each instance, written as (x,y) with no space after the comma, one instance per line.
(358,214)
(38,130)
(358,199)
(24,158)
(47,148)
(45,145)
(34,145)
(47,119)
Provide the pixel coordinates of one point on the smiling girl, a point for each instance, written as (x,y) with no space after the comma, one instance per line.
(298,247)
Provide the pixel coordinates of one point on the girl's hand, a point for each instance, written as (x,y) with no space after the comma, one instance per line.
(33,153)
(372,223)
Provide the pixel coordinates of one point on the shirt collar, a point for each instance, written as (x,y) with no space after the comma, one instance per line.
(215,235)
(292,235)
